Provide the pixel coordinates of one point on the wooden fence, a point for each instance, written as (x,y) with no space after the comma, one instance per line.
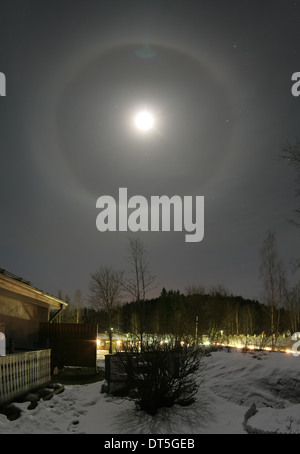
(72,344)
(21,373)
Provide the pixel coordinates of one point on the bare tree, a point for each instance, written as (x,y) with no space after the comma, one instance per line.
(294,307)
(106,290)
(218,289)
(192,289)
(274,280)
(140,280)
(78,306)
(291,153)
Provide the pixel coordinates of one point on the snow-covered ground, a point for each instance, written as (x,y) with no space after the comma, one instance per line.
(234,381)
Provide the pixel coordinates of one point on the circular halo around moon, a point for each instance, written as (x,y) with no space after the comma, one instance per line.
(91,137)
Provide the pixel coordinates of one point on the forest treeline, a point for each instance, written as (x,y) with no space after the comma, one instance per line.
(190,316)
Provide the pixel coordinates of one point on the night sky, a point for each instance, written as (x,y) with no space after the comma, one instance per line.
(217,77)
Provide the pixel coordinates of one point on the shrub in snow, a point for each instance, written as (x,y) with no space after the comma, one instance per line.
(161,376)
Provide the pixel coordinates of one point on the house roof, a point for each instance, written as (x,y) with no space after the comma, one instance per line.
(17,285)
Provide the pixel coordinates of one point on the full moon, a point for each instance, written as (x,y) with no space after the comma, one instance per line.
(144,121)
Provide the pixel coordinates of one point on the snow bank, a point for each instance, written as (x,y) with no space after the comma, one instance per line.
(242,393)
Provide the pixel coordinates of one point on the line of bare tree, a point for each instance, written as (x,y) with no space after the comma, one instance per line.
(108,287)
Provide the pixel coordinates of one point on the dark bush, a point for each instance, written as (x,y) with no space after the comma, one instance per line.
(161,376)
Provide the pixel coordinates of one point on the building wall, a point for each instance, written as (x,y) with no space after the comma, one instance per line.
(21,318)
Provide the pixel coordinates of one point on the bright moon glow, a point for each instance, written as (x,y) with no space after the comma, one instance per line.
(144,121)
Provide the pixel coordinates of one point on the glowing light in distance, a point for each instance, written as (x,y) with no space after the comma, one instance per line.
(144,121)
